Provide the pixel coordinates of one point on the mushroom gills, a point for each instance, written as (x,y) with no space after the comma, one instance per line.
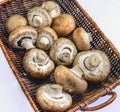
(38,17)
(53,98)
(21,40)
(25,42)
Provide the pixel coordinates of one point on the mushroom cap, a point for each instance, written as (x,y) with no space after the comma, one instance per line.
(39,17)
(15,21)
(69,80)
(94,64)
(46,38)
(63,51)
(52,8)
(37,63)
(20,33)
(51,97)
(82,39)
(64,24)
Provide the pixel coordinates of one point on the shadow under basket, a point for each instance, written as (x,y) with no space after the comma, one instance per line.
(100,42)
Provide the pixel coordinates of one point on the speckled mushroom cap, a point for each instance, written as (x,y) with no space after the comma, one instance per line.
(52,8)
(46,38)
(15,21)
(64,24)
(82,39)
(37,63)
(71,81)
(63,51)
(39,17)
(23,37)
(94,64)
(52,97)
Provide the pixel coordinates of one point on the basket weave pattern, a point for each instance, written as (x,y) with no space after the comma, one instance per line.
(100,42)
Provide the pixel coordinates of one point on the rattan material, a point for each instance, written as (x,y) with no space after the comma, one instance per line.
(100,42)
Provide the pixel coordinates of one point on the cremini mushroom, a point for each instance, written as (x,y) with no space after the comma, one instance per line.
(15,21)
(52,97)
(82,39)
(52,8)
(64,24)
(37,63)
(94,64)
(39,17)
(70,79)
(46,38)
(23,37)
(63,51)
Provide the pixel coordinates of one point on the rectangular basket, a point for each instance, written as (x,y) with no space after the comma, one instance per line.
(100,42)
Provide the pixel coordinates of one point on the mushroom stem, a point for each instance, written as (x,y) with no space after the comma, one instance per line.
(92,62)
(77,70)
(41,60)
(37,21)
(56,91)
(45,41)
(27,44)
(65,55)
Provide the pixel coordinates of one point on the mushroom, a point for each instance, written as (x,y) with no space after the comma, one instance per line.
(82,39)
(39,17)
(63,51)
(51,97)
(15,21)
(52,8)
(64,24)
(23,37)
(94,64)
(70,79)
(37,63)
(46,38)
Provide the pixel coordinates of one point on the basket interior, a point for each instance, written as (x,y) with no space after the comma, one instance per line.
(67,6)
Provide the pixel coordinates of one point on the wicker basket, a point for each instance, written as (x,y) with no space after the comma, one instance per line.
(100,42)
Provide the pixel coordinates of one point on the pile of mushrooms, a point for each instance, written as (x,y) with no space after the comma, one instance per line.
(44,36)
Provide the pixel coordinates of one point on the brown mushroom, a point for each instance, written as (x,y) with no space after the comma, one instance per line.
(23,37)
(64,24)
(46,38)
(39,17)
(52,8)
(51,97)
(82,39)
(63,51)
(15,21)
(37,63)
(94,64)
(70,79)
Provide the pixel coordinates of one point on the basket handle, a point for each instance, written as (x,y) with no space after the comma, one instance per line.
(109,101)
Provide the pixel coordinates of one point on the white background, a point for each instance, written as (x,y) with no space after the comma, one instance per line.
(106,14)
